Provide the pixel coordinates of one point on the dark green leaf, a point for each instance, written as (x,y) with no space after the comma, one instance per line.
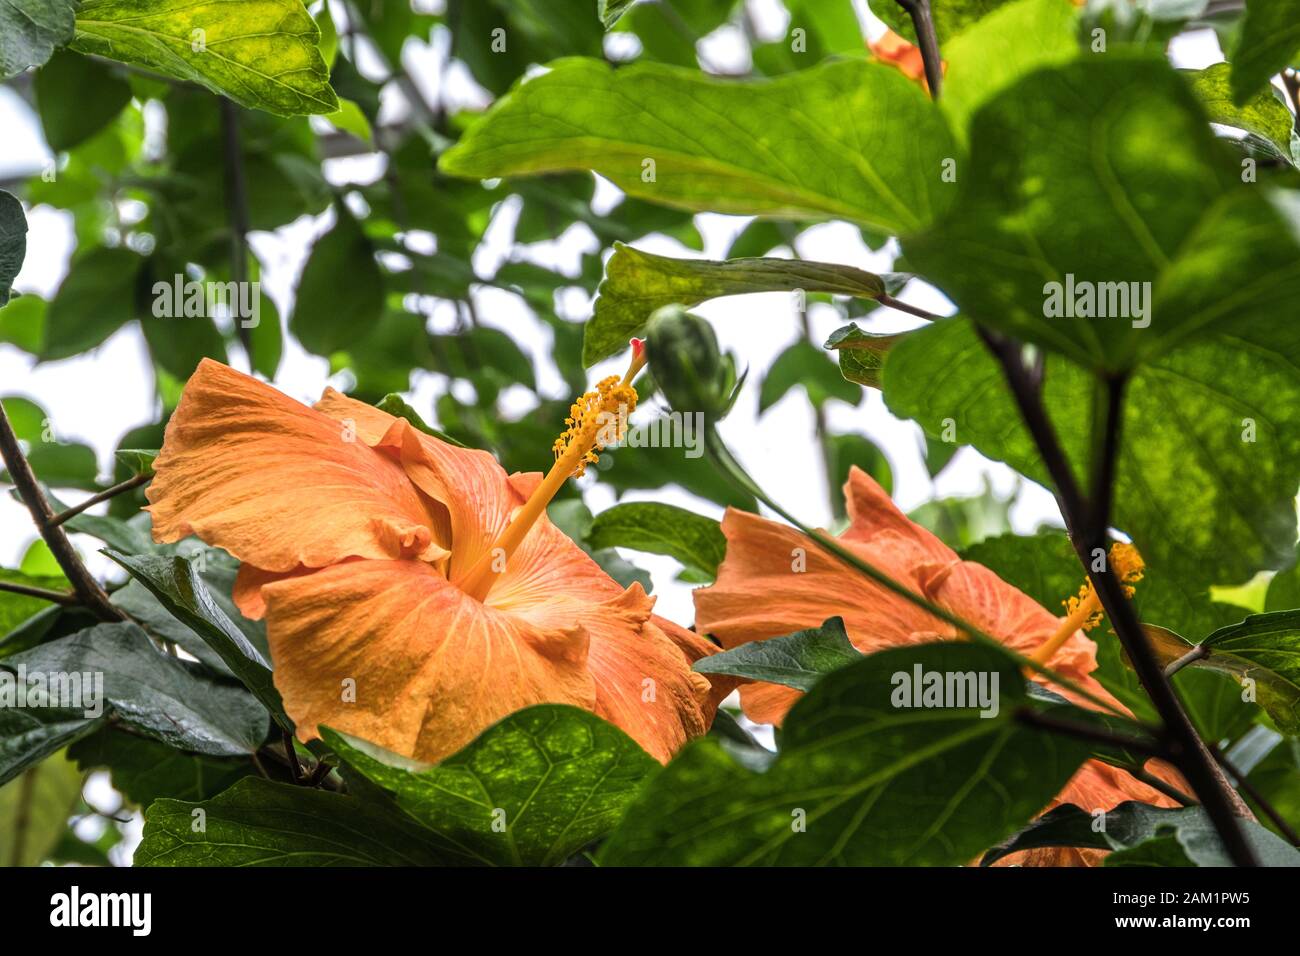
(694,540)
(804,364)
(531,790)
(944,784)
(76,97)
(97,297)
(152,691)
(260,823)
(797,660)
(30,30)
(13,242)
(30,734)
(144,770)
(341,293)
(177,585)
(1132,825)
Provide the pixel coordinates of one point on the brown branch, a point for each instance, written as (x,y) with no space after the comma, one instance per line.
(1089,531)
(93,500)
(45,594)
(1096,735)
(84,585)
(1261,801)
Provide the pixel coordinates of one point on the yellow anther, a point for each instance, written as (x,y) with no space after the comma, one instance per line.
(1084,611)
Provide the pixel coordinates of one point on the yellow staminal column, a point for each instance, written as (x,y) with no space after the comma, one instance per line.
(1085,611)
(593,420)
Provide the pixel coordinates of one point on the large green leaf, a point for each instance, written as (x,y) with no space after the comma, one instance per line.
(808,145)
(531,790)
(13,242)
(1211,441)
(1100,217)
(1270,41)
(694,540)
(76,97)
(153,692)
(144,770)
(30,30)
(797,660)
(1135,826)
(859,781)
(34,811)
(177,585)
(262,54)
(637,283)
(260,823)
(1004,46)
(97,297)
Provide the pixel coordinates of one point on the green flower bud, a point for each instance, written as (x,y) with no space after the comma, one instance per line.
(689,368)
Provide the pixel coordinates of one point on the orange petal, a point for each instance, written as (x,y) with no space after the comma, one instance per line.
(247,592)
(391,652)
(246,468)
(892,539)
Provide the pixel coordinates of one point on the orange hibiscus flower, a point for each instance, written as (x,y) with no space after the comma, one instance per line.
(414,592)
(775,581)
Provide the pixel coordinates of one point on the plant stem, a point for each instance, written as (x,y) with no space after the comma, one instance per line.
(237,212)
(1195,654)
(1090,527)
(1155,783)
(84,585)
(1270,811)
(45,594)
(928,40)
(117,489)
(1071,728)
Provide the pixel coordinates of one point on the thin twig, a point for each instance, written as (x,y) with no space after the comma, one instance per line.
(291,755)
(117,489)
(84,585)
(1155,783)
(888,300)
(45,594)
(1195,654)
(1224,806)
(1097,735)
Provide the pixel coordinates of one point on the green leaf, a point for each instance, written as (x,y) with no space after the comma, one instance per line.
(873,784)
(1270,41)
(144,770)
(398,407)
(30,30)
(797,660)
(34,811)
(139,461)
(804,146)
(161,695)
(951,17)
(13,242)
(260,823)
(638,283)
(694,540)
(804,364)
(30,734)
(1164,242)
(97,297)
(22,322)
(1210,445)
(1136,826)
(1262,114)
(76,97)
(340,295)
(178,587)
(861,354)
(609,11)
(997,51)
(1263,649)
(263,54)
(531,790)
